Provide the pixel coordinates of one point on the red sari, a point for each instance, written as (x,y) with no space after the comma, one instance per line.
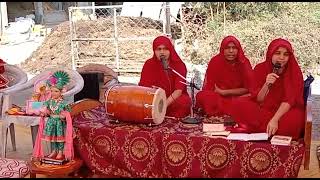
(224,75)
(3,81)
(153,74)
(287,88)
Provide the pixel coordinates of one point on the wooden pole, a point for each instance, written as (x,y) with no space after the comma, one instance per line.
(211,12)
(168,29)
(224,18)
(38,7)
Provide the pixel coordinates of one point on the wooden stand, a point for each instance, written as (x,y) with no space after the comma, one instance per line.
(36,167)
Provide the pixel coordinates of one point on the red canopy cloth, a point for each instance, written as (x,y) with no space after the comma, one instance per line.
(174,149)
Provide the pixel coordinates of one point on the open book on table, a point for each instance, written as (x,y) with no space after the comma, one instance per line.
(248,137)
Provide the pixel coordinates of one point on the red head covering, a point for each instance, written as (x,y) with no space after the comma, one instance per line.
(293,79)
(218,66)
(153,73)
(163,40)
(224,44)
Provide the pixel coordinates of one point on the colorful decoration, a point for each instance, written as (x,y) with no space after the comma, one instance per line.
(59,79)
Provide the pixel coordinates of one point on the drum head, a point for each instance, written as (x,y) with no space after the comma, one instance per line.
(159,106)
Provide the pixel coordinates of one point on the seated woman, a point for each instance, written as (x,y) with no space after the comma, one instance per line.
(154,73)
(276,105)
(228,75)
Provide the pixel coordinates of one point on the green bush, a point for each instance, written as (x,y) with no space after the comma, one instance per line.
(256,25)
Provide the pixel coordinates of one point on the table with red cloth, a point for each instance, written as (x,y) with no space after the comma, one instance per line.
(174,149)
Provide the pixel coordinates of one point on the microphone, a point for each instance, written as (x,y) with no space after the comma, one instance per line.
(196,86)
(164,62)
(275,69)
(191,85)
(166,67)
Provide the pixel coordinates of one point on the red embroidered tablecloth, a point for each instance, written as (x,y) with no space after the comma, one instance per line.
(174,149)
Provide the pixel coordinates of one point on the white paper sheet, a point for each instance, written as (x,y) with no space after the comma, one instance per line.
(248,137)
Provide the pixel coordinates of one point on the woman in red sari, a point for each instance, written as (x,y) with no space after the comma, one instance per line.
(154,74)
(276,106)
(228,75)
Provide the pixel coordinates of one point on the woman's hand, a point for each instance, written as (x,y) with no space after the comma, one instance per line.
(218,90)
(272,127)
(271,78)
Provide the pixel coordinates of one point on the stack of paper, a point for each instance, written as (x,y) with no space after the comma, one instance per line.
(281,140)
(248,137)
(213,127)
(217,133)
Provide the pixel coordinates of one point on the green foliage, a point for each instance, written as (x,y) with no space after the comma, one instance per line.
(316,16)
(256,24)
(244,10)
(237,10)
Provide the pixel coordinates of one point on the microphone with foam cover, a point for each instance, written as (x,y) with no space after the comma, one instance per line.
(275,69)
(164,62)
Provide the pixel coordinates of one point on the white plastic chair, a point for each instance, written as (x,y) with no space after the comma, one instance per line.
(21,94)
(16,77)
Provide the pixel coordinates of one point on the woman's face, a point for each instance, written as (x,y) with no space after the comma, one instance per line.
(231,52)
(162,50)
(281,55)
(55,93)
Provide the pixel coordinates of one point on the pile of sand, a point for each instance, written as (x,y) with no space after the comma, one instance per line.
(56,48)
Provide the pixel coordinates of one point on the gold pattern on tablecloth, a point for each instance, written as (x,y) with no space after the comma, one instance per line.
(139,150)
(102,145)
(259,161)
(175,153)
(217,156)
(92,153)
(293,162)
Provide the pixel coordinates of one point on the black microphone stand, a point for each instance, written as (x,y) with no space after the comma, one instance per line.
(192,119)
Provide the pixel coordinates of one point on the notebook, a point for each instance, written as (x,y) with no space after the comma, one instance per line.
(281,140)
(213,127)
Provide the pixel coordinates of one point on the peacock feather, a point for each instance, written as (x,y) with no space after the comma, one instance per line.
(62,77)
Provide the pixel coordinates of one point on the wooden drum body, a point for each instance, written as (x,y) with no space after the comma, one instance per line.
(136,104)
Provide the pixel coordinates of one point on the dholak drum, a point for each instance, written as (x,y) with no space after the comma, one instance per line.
(136,104)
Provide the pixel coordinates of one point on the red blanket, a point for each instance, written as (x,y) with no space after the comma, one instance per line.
(174,149)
